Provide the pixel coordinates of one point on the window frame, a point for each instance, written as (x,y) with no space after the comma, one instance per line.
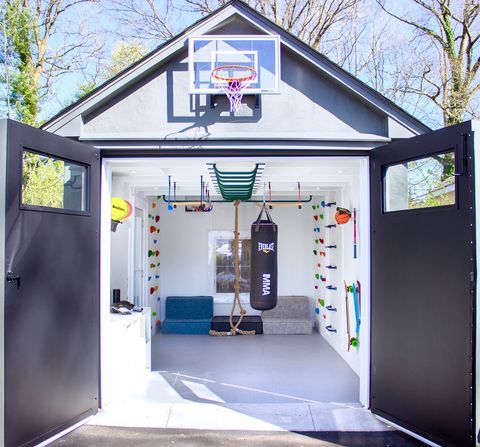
(213,236)
(458,171)
(49,209)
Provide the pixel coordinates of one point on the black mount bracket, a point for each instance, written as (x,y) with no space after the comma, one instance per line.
(211,100)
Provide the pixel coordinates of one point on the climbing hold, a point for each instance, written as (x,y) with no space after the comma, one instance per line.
(152,229)
(331,226)
(317,311)
(331,308)
(330,246)
(331,287)
(321,302)
(329,328)
(332,267)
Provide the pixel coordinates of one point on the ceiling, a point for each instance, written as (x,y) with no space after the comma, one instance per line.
(315,174)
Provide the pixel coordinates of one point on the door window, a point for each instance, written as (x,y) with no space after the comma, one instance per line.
(49,182)
(423,183)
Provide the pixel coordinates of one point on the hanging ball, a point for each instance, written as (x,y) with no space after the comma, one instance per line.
(342,216)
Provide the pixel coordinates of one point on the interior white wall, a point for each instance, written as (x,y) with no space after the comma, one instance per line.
(363,240)
(106,266)
(348,270)
(184,250)
(120,242)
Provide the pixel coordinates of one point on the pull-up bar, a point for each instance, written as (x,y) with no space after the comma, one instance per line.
(273,202)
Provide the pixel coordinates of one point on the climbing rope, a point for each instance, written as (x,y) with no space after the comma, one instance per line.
(234,328)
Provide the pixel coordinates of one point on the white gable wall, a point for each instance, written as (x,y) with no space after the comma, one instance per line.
(308,107)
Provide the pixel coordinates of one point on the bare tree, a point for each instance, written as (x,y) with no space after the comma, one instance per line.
(310,20)
(146,20)
(46,38)
(446,52)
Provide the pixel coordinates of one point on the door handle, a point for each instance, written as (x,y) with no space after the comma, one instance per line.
(11,277)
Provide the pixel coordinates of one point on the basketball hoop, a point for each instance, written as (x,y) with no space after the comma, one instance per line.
(233,80)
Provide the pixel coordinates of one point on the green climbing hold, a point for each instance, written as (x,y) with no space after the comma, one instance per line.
(317,275)
(154,314)
(322,302)
(354,342)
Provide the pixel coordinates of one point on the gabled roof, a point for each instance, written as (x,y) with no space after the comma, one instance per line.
(127,77)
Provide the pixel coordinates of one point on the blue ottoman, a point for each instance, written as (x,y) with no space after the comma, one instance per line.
(188,315)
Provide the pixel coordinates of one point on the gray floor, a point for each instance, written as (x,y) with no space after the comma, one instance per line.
(255,369)
(248,383)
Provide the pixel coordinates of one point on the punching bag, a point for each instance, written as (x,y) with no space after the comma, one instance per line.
(263,267)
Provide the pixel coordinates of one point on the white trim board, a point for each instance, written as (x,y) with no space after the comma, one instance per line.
(64,432)
(363,271)
(408,432)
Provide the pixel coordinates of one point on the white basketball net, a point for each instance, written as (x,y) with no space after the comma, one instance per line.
(234,88)
(234,91)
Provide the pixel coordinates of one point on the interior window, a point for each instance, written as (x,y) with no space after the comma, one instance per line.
(423,183)
(224,268)
(53,183)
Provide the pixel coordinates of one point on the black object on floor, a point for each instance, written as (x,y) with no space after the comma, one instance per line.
(95,436)
(249,323)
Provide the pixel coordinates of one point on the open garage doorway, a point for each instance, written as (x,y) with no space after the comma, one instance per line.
(307,366)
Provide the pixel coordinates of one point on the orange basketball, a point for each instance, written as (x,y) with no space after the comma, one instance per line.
(342,216)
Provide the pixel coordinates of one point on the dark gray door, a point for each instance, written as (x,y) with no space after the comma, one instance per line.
(423,272)
(52,289)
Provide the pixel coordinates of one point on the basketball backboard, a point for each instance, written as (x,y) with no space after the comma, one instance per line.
(260,53)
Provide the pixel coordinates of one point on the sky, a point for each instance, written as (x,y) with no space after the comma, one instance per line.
(105,24)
